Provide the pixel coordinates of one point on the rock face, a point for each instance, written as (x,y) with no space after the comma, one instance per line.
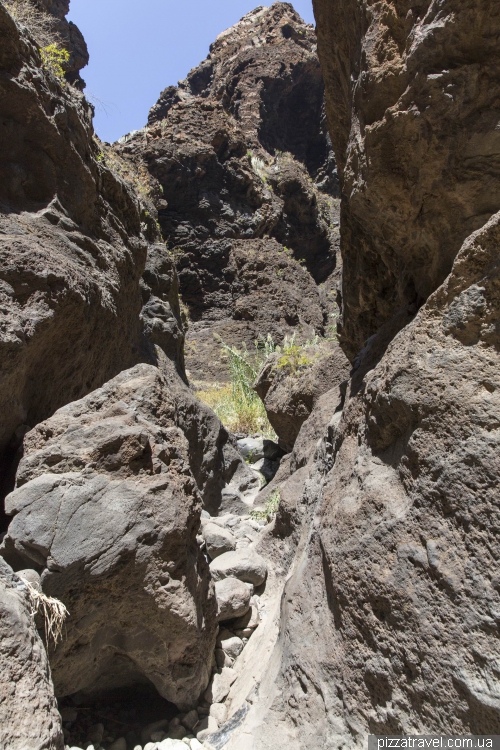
(290,391)
(47,24)
(70,37)
(28,709)
(107,509)
(249,186)
(73,244)
(389,616)
(412,104)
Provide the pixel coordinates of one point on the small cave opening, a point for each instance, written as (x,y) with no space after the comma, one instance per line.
(105,717)
(9,461)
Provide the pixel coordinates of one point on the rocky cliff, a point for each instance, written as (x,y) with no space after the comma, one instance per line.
(248,203)
(389,619)
(363,596)
(88,291)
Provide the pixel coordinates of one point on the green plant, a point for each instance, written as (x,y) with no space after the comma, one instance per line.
(331,329)
(294,356)
(54,59)
(270,508)
(236,403)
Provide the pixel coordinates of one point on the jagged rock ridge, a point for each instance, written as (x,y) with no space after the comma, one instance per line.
(249,187)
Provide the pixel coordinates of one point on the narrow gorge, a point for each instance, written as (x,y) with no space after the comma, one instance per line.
(249,378)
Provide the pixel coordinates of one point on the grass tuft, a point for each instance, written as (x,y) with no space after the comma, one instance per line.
(270,508)
(236,403)
(53,612)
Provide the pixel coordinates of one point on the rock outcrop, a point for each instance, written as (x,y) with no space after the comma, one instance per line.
(107,509)
(291,384)
(248,187)
(73,245)
(88,291)
(28,710)
(388,621)
(412,105)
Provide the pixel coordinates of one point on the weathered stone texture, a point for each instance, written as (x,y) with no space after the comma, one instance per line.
(28,710)
(248,187)
(413,108)
(389,616)
(291,392)
(72,247)
(107,509)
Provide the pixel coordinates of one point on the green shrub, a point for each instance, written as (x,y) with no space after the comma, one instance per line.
(236,403)
(54,60)
(294,356)
(270,508)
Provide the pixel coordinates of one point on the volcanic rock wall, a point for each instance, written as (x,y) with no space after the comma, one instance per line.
(87,292)
(389,621)
(249,188)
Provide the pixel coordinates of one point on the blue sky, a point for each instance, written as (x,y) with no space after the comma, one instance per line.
(139,48)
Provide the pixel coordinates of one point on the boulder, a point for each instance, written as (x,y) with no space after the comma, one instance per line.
(69,279)
(220,685)
(217,539)
(28,708)
(290,395)
(107,510)
(244,564)
(233,598)
(389,611)
(251,448)
(232,646)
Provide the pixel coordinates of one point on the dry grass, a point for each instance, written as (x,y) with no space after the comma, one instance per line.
(237,413)
(52,611)
(236,403)
(41,25)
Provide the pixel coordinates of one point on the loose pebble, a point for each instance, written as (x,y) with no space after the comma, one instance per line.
(154,727)
(219,712)
(158,736)
(207,726)
(191,719)
(177,733)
